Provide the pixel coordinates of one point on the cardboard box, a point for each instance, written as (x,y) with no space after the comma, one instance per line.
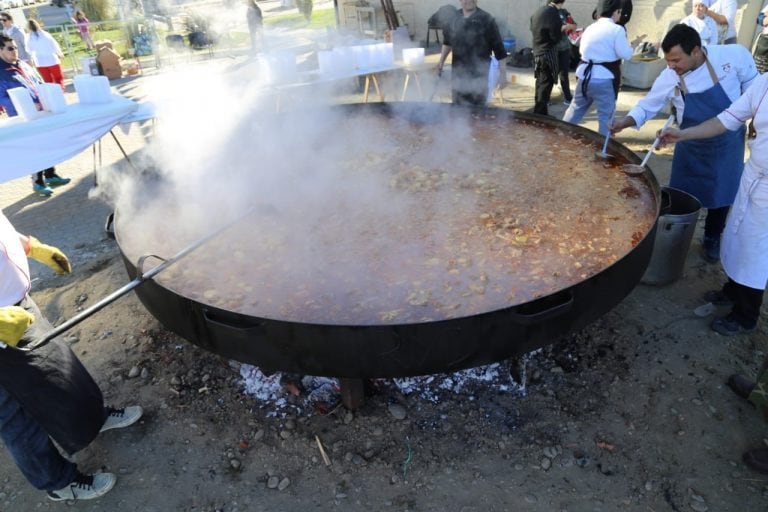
(103,43)
(640,72)
(110,64)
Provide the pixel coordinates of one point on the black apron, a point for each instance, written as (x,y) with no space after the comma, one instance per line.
(613,66)
(53,387)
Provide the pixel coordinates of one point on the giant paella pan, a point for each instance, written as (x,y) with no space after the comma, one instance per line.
(432,238)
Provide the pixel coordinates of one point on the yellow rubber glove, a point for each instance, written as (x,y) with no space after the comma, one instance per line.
(49,255)
(13,323)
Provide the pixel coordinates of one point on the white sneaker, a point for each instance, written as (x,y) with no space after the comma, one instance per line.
(120,418)
(85,487)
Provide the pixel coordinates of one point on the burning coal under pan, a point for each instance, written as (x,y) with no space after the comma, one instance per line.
(513,235)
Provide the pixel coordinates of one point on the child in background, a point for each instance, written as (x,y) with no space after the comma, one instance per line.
(82,26)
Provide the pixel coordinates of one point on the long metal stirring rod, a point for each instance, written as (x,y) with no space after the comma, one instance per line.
(139,279)
(603,154)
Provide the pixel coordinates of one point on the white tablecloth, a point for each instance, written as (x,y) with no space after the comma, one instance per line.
(30,146)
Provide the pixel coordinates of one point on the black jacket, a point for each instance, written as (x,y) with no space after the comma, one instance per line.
(546,27)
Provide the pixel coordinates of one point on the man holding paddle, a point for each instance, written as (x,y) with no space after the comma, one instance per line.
(45,392)
(700,83)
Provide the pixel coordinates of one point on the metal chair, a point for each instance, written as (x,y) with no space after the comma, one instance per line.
(430,28)
(441,19)
(175,44)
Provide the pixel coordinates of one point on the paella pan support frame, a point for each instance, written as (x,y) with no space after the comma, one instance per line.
(352,393)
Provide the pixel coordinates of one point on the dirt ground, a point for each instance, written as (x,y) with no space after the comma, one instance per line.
(630,413)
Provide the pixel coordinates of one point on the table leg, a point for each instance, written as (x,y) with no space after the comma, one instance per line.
(405,85)
(127,159)
(365,89)
(418,86)
(94,164)
(378,89)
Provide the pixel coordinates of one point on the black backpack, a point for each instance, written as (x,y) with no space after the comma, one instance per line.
(521,59)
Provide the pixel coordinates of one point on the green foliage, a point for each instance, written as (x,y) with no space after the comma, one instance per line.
(321,18)
(195,22)
(305,8)
(96,10)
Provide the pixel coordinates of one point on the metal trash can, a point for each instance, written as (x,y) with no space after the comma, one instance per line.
(674,231)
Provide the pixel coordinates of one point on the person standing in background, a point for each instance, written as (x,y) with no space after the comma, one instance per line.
(603,45)
(547,29)
(761,45)
(255,25)
(83,28)
(14,73)
(563,48)
(703,24)
(724,14)
(46,54)
(18,35)
(472,37)
(700,83)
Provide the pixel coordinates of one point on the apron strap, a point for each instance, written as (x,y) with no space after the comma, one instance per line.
(712,74)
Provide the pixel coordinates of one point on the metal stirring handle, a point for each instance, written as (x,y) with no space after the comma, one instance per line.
(656,142)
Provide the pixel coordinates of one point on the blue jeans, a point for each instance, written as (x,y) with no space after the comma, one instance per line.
(600,92)
(31,448)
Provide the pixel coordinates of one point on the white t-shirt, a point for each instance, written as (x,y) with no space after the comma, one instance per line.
(44,48)
(14,267)
(733,65)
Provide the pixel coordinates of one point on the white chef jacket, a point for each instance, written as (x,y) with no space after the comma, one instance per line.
(728,9)
(707,28)
(14,267)
(735,69)
(603,41)
(44,48)
(744,252)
